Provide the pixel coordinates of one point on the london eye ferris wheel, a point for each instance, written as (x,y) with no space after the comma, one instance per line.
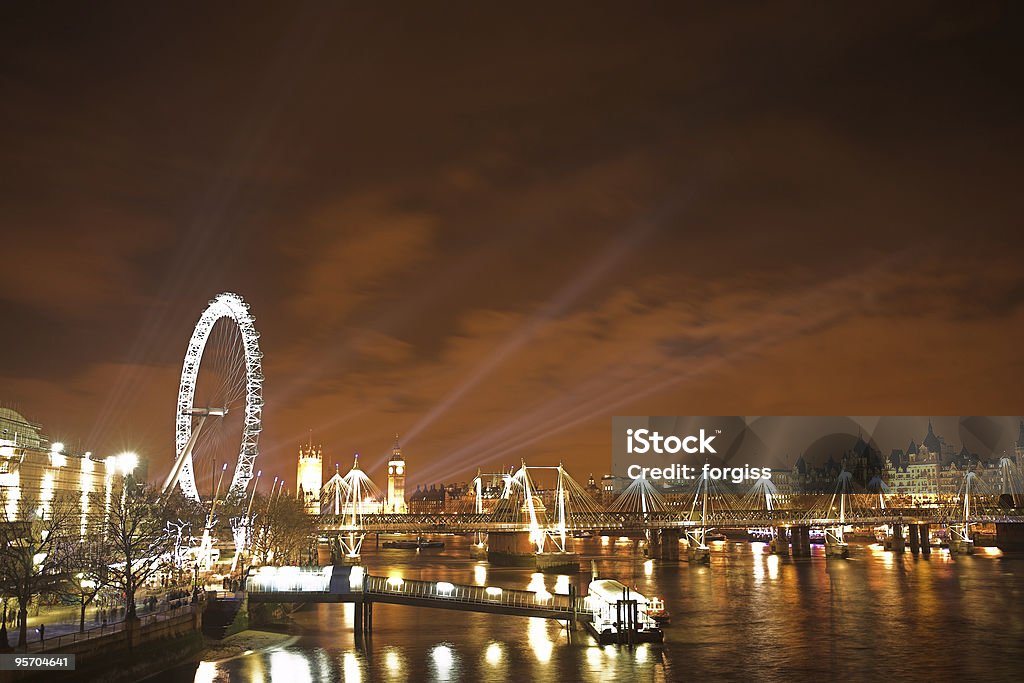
(220,399)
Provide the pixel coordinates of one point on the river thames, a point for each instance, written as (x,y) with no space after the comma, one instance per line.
(748,616)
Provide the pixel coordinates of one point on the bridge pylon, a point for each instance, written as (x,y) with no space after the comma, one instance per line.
(961,542)
(362,497)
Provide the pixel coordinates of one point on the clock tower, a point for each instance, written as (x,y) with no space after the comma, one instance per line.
(396,480)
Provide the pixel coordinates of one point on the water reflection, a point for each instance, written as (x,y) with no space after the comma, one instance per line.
(773,563)
(350,667)
(748,616)
(443,659)
(393,660)
(291,666)
(540,640)
(206,673)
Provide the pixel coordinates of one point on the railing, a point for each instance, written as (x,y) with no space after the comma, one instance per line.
(479,595)
(147,620)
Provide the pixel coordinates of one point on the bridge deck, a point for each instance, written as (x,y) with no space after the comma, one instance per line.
(441,595)
(635,521)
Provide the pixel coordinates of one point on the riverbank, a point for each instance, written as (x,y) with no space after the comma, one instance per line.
(216,653)
(243,643)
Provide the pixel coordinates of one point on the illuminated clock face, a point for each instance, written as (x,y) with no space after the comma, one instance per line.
(399,469)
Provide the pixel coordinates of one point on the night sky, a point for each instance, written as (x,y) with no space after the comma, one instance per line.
(492,227)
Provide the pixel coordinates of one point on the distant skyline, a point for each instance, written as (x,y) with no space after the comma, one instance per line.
(491,229)
(780,441)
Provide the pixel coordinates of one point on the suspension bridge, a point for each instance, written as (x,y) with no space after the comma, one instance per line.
(221,397)
(526,520)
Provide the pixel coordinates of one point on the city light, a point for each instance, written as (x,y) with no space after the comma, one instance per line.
(127,462)
(493,591)
(395,582)
(355,577)
(445,588)
(57,447)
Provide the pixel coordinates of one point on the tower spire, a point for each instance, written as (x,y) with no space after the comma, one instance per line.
(396,480)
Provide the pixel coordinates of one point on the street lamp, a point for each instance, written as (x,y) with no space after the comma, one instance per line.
(127,462)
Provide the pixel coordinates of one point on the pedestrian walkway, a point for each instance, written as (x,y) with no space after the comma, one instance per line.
(63,622)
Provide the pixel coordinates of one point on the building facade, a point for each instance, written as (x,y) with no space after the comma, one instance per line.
(35,471)
(310,477)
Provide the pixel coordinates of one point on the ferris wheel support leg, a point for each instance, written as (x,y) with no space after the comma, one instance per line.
(186,453)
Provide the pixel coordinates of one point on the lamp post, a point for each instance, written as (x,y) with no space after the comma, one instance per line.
(195,581)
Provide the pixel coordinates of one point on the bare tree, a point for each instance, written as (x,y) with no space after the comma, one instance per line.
(140,541)
(282,529)
(90,564)
(36,543)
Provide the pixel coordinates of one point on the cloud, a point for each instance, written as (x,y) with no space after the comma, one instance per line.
(354,249)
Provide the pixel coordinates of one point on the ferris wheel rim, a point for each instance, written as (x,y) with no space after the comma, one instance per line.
(232,306)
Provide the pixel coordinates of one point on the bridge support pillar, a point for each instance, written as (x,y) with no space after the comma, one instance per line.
(780,544)
(801,540)
(362,619)
(898,543)
(926,541)
(670,545)
(654,549)
(915,540)
(1010,536)
(510,549)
